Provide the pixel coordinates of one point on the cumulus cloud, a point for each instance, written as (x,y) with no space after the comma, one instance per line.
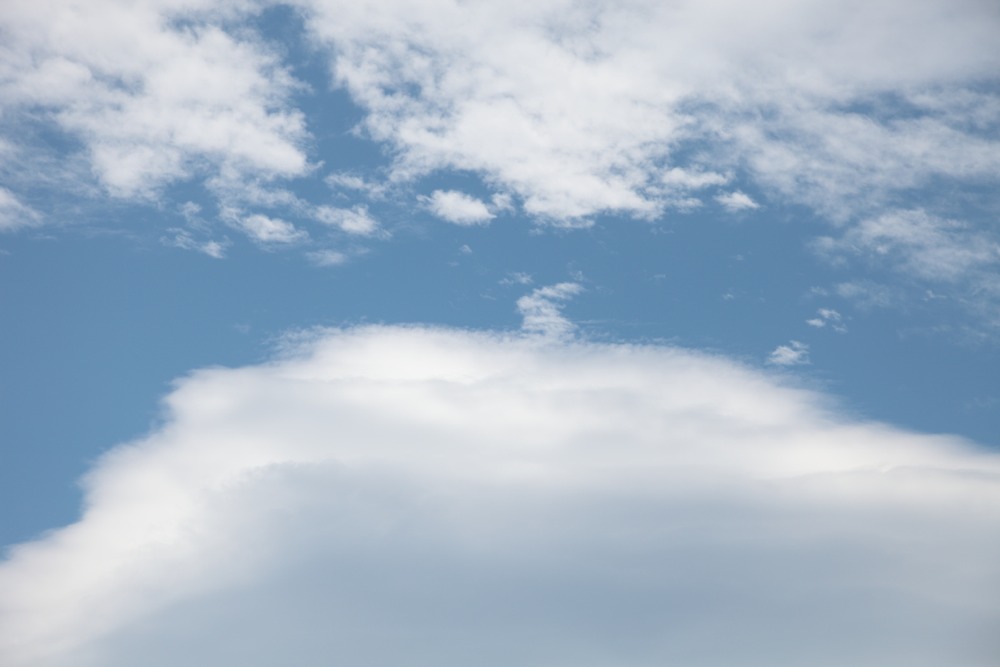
(458,208)
(156,91)
(583,107)
(390,495)
(795,353)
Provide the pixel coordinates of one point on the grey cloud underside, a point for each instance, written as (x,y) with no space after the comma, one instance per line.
(431,496)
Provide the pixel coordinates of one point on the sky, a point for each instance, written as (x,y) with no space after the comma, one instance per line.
(552,333)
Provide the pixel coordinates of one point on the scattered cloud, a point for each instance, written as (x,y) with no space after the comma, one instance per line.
(402,495)
(825,316)
(736,201)
(356,220)
(157,92)
(180,238)
(795,353)
(588,108)
(458,208)
(920,245)
(542,310)
(270,231)
(517,278)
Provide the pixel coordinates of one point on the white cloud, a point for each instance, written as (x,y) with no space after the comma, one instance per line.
(157,91)
(829,316)
(356,220)
(396,495)
(919,244)
(542,310)
(458,208)
(269,231)
(579,108)
(736,201)
(794,354)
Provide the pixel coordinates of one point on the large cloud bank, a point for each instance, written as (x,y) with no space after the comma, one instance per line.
(426,496)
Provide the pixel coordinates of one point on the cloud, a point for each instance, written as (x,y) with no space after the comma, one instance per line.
(795,353)
(157,92)
(458,208)
(736,201)
(542,310)
(14,214)
(829,316)
(581,108)
(919,244)
(392,495)
(270,231)
(181,238)
(356,220)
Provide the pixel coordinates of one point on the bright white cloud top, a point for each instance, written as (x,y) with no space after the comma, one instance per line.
(465,494)
(389,495)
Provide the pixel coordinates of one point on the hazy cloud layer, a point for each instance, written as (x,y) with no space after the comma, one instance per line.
(392,495)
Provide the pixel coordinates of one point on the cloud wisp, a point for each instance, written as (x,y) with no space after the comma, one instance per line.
(393,495)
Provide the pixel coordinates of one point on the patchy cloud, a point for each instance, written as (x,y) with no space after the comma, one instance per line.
(737,201)
(581,108)
(542,310)
(400,495)
(458,208)
(796,353)
(828,316)
(157,92)
(269,231)
(356,220)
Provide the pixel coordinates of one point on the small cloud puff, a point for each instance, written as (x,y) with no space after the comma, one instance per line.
(829,316)
(736,201)
(354,220)
(271,231)
(795,353)
(458,208)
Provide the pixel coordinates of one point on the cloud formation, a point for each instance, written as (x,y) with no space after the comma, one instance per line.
(458,208)
(585,107)
(392,495)
(157,91)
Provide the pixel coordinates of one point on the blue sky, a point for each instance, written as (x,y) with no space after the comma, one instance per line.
(767,234)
